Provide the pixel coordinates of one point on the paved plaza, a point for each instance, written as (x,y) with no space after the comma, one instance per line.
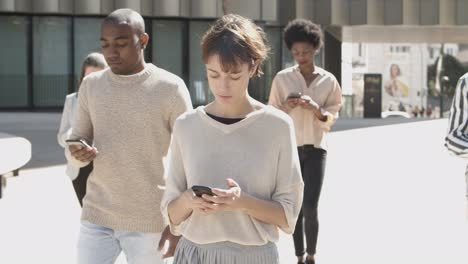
(392,194)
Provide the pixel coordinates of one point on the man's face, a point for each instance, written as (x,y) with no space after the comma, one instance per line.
(122,47)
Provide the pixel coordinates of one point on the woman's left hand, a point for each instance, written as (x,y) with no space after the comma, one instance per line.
(307,103)
(224,199)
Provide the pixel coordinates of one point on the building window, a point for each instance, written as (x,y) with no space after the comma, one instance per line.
(287,58)
(259,87)
(51,60)
(86,40)
(14,62)
(168,49)
(405,49)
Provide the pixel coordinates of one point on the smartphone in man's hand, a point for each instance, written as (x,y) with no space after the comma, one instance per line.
(77,142)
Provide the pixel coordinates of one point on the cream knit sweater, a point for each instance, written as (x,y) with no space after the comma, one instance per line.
(258,152)
(129,119)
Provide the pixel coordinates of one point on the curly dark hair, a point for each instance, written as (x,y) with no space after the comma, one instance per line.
(302,30)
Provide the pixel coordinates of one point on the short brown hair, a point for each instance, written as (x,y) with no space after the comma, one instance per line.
(235,39)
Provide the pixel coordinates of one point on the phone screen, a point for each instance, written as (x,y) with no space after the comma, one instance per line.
(294,95)
(200,190)
(79,142)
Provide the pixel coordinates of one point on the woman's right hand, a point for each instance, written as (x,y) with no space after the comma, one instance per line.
(184,205)
(290,103)
(193,202)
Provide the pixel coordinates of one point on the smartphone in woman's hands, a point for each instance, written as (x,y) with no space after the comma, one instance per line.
(294,95)
(200,190)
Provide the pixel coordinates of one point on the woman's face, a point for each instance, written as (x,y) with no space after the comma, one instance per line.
(303,53)
(394,71)
(228,87)
(91,69)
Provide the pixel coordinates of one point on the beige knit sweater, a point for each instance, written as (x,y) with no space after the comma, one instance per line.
(129,119)
(258,152)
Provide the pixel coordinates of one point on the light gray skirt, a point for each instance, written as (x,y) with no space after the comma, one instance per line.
(188,252)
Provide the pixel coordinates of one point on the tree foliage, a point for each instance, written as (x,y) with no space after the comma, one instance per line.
(452,68)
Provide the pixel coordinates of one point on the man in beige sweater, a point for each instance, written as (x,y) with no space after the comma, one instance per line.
(126,113)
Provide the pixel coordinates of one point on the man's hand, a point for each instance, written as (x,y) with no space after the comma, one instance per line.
(171,239)
(83,154)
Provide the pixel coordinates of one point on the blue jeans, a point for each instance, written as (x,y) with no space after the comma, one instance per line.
(101,245)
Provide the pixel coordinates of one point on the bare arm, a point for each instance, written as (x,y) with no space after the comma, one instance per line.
(270,212)
(232,199)
(179,209)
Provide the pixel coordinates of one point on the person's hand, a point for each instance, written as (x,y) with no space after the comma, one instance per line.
(289,104)
(306,102)
(224,199)
(83,154)
(168,237)
(194,202)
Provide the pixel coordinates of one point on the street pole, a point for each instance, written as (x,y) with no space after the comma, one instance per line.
(439,78)
(441,102)
(444,83)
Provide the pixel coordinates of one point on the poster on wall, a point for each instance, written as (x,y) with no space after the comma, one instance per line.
(400,85)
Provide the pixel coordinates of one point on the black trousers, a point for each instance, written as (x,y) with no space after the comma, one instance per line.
(79,184)
(313,169)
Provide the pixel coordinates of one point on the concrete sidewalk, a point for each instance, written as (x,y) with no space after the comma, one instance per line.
(392,194)
(41,130)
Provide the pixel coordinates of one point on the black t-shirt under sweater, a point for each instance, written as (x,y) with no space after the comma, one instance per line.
(224,120)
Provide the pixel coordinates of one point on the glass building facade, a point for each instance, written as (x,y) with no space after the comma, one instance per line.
(14,62)
(42,56)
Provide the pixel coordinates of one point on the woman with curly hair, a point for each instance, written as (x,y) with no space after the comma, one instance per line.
(312,97)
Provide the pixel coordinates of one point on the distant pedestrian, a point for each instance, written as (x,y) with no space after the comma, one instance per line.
(456,140)
(242,151)
(126,114)
(429,111)
(312,97)
(401,107)
(79,176)
(415,111)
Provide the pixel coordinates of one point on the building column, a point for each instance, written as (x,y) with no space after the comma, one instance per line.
(332,54)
